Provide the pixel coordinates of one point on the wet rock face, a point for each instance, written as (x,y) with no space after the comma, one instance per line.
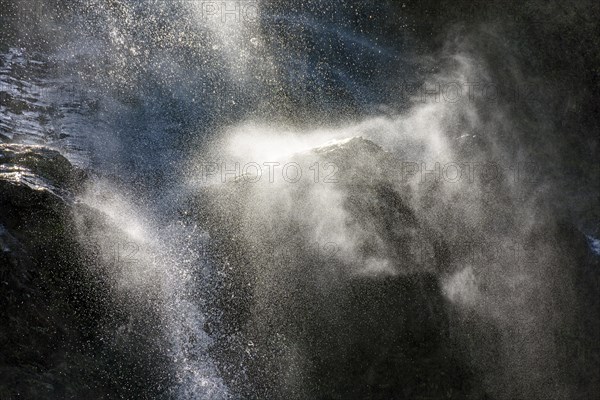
(35,168)
(36,193)
(55,315)
(37,262)
(342,289)
(324,295)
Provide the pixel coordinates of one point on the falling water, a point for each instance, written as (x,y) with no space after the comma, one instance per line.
(145,94)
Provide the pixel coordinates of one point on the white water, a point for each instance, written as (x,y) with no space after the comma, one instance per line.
(163,257)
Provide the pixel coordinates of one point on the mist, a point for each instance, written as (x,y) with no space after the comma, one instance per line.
(315,200)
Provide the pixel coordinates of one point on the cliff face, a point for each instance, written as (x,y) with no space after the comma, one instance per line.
(331,282)
(42,334)
(56,310)
(346,280)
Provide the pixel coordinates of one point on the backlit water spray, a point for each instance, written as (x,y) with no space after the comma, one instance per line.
(424,189)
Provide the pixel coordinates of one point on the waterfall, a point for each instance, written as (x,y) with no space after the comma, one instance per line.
(321,200)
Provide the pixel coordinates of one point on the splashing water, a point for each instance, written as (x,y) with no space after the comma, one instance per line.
(177,86)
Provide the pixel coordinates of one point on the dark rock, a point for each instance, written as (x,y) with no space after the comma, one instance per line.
(36,176)
(334,289)
(326,292)
(57,312)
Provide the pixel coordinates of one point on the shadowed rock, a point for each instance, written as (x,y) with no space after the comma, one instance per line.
(56,309)
(330,286)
